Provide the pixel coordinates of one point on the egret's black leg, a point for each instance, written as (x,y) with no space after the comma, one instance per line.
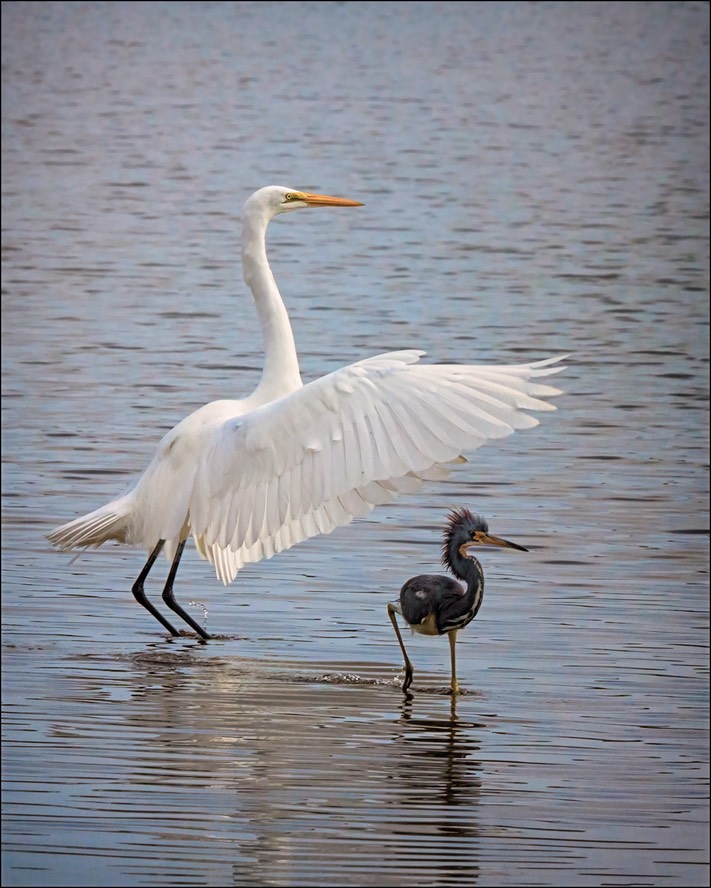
(452,643)
(140,595)
(408,665)
(169,597)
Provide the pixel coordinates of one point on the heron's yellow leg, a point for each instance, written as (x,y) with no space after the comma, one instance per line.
(452,643)
(408,665)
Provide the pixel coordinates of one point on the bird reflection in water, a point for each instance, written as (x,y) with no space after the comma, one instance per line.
(447,751)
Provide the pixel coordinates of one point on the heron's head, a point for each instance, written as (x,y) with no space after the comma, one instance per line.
(465,530)
(276,199)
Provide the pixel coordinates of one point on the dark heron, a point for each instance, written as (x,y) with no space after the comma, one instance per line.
(437,605)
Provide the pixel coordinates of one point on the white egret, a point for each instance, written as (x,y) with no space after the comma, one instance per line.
(249,478)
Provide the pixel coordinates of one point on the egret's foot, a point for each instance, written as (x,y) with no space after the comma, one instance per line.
(455,690)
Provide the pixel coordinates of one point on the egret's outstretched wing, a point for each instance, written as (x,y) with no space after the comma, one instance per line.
(329,452)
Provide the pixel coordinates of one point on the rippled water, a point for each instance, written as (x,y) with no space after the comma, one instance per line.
(535,180)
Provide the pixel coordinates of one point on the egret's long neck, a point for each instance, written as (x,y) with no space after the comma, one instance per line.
(280,375)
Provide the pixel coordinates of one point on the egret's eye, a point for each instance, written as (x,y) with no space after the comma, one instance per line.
(289,196)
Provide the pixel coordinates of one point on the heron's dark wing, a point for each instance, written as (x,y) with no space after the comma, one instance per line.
(457,611)
(425,596)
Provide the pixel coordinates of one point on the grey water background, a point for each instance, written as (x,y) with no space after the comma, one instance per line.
(535,179)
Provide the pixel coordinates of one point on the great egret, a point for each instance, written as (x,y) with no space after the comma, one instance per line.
(249,478)
(437,605)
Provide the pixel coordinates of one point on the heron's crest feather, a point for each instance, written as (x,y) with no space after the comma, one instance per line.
(460,524)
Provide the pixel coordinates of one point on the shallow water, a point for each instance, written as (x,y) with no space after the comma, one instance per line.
(535,180)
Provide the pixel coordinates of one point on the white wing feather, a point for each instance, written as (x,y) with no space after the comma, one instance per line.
(315,459)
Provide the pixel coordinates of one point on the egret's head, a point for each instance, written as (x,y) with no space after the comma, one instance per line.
(465,530)
(275,199)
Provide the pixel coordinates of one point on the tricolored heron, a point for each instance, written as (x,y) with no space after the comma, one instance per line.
(432,604)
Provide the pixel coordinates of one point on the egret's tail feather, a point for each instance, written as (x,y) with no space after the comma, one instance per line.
(110,522)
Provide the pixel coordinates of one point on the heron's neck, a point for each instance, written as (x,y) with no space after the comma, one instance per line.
(280,375)
(469,570)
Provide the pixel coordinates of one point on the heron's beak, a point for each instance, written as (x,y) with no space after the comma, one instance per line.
(485,539)
(325,200)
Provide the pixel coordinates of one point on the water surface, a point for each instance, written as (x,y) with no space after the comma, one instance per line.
(535,180)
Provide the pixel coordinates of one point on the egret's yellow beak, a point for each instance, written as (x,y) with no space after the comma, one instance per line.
(325,200)
(484,539)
